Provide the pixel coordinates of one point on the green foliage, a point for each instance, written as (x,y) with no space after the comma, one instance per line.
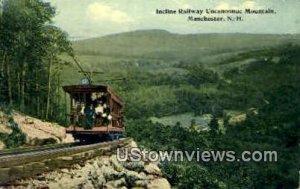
(165,78)
(16,138)
(157,95)
(198,76)
(185,175)
(30,50)
(163,45)
(214,127)
(269,86)
(276,127)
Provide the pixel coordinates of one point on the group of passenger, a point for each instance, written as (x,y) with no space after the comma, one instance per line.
(95,111)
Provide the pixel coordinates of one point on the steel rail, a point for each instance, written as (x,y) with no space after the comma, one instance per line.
(32,149)
(14,159)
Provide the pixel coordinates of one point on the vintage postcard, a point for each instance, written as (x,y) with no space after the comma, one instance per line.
(156,94)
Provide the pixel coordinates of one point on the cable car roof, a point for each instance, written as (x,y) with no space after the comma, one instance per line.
(85,88)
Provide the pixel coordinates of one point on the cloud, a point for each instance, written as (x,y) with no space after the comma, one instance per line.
(104,13)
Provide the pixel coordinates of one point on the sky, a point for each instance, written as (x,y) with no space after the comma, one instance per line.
(93,18)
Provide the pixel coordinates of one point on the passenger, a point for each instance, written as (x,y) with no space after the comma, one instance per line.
(89,110)
(78,107)
(99,95)
(94,96)
(89,113)
(82,110)
(77,112)
(99,109)
(106,109)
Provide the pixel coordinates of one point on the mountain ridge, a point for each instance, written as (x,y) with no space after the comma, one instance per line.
(161,43)
(184,34)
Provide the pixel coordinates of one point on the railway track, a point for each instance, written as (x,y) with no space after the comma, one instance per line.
(27,162)
(35,149)
(17,157)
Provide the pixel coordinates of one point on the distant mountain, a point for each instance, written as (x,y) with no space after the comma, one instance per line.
(165,45)
(164,52)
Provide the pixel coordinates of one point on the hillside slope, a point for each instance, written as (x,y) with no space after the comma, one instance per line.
(162,44)
(159,51)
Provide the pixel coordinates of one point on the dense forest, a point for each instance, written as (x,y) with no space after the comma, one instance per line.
(35,62)
(30,66)
(267,90)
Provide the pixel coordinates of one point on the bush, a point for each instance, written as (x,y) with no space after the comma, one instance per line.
(15,139)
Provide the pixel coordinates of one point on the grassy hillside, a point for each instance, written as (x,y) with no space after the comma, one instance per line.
(157,65)
(247,84)
(268,88)
(159,44)
(162,52)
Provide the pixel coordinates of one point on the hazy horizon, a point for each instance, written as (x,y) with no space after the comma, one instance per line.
(97,18)
(162,30)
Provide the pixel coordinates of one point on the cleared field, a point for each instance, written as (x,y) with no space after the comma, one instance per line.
(184,119)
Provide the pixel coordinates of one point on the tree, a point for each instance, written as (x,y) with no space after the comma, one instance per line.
(214,126)
(56,44)
(199,75)
(30,49)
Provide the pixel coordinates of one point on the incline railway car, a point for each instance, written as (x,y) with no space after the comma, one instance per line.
(96,113)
